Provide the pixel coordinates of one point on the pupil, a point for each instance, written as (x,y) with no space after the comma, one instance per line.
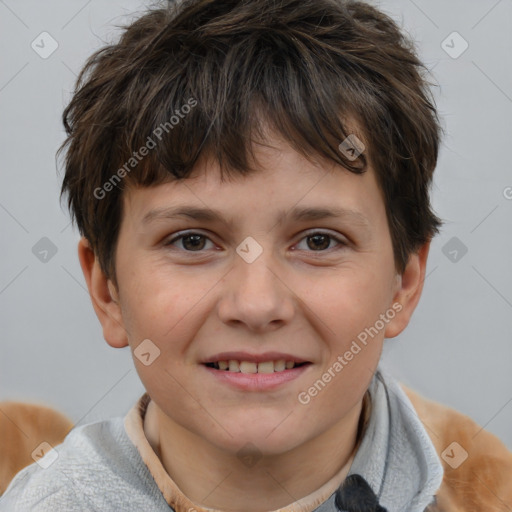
(196,238)
(326,238)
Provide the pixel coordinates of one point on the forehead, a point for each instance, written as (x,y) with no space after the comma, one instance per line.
(285,185)
(280,173)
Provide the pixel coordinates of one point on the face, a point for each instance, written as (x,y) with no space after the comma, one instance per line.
(264,281)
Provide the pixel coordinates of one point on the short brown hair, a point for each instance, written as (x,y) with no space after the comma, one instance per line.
(307,65)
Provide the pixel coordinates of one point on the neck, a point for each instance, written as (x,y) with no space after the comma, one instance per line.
(206,474)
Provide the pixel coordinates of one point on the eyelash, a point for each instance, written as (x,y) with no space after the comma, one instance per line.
(186,234)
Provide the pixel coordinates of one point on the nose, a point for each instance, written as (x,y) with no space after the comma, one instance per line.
(256,295)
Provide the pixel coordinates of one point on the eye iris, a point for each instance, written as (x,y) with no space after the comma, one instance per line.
(317,237)
(194,245)
(196,241)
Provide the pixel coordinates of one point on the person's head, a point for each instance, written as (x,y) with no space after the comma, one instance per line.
(265,112)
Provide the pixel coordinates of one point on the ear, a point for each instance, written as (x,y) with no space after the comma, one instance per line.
(104,296)
(408,291)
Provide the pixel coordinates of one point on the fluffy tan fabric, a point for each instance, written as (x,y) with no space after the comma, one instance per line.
(23,427)
(483,481)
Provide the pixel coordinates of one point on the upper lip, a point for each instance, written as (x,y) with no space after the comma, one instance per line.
(254,358)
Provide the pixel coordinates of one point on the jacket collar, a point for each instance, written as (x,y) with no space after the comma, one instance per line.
(396,456)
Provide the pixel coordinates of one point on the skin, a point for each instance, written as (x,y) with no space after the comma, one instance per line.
(300,296)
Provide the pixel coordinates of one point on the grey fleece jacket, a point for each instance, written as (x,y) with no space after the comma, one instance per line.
(99,469)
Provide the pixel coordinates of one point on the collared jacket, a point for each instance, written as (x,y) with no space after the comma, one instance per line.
(415,456)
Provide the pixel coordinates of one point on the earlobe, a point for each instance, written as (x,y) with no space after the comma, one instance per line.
(104,297)
(409,289)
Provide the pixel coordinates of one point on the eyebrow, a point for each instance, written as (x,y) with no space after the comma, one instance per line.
(296,213)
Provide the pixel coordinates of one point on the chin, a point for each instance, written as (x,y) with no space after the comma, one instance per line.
(263,440)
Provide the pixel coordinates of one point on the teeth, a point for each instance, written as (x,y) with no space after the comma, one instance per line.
(280,365)
(250,367)
(234,366)
(247,367)
(266,367)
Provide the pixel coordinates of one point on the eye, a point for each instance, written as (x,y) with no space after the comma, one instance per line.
(191,242)
(195,242)
(320,241)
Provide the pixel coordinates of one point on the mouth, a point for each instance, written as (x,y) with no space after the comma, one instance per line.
(244,371)
(241,366)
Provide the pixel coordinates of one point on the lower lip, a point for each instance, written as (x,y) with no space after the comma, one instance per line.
(257,381)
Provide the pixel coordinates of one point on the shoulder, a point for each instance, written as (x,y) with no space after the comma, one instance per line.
(94,456)
(477,465)
(28,490)
(24,426)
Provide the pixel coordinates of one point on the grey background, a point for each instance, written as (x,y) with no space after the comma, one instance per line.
(457,348)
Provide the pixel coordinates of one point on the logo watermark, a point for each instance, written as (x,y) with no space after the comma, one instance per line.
(305,397)
(137,156)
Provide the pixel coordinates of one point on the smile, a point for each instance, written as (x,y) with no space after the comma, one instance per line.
(253,376)
(233,365)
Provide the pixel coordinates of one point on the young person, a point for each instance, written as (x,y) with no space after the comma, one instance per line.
(251,182)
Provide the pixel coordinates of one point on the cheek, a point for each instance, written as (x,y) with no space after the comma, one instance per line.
(349,303)
(158,302)
(351,308)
